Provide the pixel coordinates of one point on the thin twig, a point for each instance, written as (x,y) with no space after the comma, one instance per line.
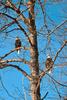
(56,89)
(56,81)
(6,26)
(18,68)
(7,54)
(24,31)
(12,52)
(12,30)
(65,42)
(57,27)
(45,96)
(6,89)
(45,72)
(25,96)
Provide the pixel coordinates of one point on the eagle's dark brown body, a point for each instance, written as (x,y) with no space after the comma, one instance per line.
(17,44)
(49,63)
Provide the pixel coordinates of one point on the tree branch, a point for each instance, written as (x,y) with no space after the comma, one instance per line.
(6,26)
(45,96)
(24,32)
(57,27)
(15,21)
(57,89)
(56,81)
(9,24)
(46,70)
(61,65)
(7,16)
(64,44)
(13,51)
(18,68)
(15,60)
(17,10)
(6,89)
(7,54)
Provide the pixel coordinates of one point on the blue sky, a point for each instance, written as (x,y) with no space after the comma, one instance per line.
(12,79)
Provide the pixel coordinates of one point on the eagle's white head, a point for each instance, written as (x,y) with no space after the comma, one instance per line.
(48,56)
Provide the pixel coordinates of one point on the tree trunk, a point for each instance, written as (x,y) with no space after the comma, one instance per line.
(35,83)
(35,92)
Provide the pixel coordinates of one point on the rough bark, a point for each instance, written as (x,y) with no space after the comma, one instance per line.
(35,86)
(35,91)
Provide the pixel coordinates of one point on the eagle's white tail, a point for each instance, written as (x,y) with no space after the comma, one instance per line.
(49,72)
(18,51)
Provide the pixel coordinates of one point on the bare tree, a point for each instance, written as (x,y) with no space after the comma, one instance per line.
(43,44)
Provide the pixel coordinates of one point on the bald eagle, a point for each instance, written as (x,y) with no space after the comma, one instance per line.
(49,64)
(18,44)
